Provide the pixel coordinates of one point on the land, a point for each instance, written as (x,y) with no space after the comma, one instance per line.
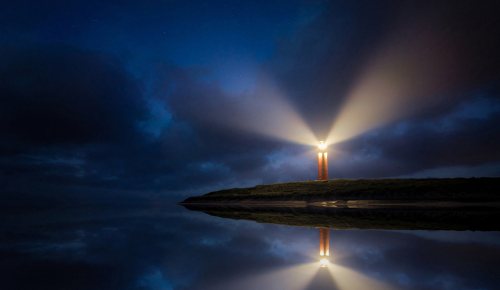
(423,204)
(470,190)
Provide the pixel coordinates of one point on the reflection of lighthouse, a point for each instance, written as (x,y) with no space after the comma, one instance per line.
(322,161)
(324,246)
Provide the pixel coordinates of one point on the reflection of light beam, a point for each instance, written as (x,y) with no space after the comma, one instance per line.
(324,263)
(348,279)
(292,278)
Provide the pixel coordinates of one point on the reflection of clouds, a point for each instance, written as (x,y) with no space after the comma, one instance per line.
(154,281)
(459,237)
(414,262)
(55,248)
(175,249)
(291,278)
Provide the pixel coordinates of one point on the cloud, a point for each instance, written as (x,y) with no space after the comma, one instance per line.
(63,95)
(72,118)
(67,115)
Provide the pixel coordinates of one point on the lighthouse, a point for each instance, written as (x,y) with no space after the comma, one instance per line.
(322,161)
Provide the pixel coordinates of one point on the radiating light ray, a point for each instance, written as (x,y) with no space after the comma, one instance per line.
(292,278)
(409,73)
(263,109)
(268,113)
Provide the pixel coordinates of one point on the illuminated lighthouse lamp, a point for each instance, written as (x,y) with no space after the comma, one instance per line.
(322,161)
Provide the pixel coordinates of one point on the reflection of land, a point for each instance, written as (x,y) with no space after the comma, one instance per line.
(440,218)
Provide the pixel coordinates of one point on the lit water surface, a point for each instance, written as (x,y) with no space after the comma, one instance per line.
(170,247)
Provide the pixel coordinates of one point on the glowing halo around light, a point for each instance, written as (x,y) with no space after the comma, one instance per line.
(322,146)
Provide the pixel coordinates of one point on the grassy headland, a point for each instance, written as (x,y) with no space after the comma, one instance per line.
(406,190)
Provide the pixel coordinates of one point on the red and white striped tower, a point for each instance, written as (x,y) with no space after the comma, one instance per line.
(322,161)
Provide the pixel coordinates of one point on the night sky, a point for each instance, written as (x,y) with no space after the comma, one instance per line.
(148,98)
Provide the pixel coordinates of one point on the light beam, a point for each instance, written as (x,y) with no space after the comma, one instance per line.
(413,70)
(263,110)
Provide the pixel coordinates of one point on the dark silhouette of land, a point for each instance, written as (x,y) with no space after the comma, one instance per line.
(344,190)
(476,218)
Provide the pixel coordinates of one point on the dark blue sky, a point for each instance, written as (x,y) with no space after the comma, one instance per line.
(181,96)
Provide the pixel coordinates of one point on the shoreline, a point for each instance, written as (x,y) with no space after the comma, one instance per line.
(345,204)
(342,192)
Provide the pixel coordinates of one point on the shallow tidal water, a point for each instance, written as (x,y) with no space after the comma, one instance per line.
(169,247)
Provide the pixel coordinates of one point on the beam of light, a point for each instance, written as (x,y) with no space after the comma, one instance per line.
(262,109)
(268,113)
(411,72)
(292,278)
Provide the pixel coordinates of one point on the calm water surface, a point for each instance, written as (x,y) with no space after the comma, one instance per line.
(169,247)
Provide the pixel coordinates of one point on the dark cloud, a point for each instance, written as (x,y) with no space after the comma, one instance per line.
(62,95)
(68,116)
(73,118)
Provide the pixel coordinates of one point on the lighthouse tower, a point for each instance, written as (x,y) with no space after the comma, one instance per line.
(322,161)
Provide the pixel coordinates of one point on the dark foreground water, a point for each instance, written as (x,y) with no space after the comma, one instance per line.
(169,247)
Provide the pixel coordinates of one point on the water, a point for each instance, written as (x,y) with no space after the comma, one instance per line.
(169,247)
